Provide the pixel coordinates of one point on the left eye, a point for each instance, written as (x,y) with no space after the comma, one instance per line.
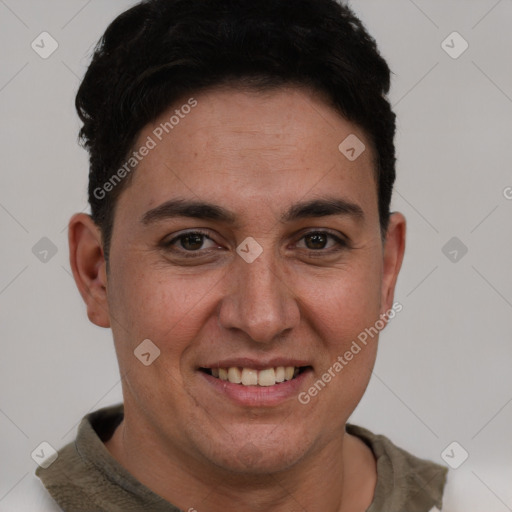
(317,240)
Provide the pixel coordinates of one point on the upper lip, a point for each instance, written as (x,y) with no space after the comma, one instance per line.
(256,364)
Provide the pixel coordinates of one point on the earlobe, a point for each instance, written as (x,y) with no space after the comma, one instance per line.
(89,267)
(394,250)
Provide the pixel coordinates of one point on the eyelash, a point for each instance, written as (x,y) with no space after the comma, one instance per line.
(342,244)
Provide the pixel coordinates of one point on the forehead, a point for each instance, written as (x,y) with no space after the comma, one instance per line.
(241,147)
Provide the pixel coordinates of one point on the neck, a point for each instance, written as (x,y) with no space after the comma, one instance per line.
(338,477)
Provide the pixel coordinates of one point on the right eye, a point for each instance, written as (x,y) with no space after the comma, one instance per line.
(190,242)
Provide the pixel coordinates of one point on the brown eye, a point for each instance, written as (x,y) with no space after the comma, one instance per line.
(192,241)
(316,240)
(189,244)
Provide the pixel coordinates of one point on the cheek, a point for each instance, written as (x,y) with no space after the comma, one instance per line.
(342,311)
(342,305)
(160,305)
(153,303)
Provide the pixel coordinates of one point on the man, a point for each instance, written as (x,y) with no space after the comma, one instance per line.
(242,251)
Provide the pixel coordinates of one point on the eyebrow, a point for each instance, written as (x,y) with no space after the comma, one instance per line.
(207,211)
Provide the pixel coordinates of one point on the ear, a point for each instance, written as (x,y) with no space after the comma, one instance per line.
(393,253)
(89,267)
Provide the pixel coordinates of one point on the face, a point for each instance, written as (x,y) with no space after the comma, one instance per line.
(248,244)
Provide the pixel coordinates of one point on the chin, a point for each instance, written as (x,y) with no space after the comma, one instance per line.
(261,454)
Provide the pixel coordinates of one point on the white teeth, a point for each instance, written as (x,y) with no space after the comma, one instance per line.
(288,372)
(267,377)
(234,375)
(251,377)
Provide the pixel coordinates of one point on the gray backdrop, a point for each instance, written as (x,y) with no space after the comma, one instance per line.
(443,373)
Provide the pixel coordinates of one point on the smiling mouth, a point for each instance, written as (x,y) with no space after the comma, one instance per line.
(252,377)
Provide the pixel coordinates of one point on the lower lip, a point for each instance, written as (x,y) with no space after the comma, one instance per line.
(258,396)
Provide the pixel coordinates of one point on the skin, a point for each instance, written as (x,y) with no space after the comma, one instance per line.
(255,154)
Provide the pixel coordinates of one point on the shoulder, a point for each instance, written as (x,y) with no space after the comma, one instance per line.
(407,482)
(29,495)
(67,477)
(85,477)
(404,481)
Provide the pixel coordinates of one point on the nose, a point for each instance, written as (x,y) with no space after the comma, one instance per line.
(259,301)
